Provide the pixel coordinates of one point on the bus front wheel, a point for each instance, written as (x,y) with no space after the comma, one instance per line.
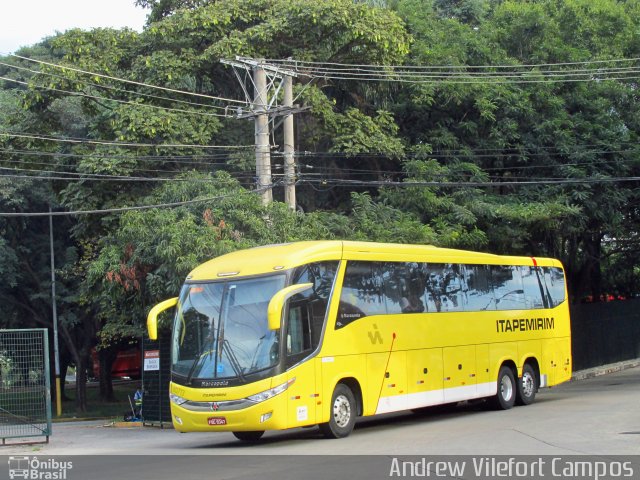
(506,396)
(253,436)
(343,413)
(527,386)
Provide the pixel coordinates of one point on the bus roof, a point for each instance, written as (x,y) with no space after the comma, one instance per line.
(274,258)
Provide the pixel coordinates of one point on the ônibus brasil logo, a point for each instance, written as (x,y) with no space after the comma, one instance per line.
(35,469)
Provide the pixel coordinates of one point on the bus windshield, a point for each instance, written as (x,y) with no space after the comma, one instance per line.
(221,331)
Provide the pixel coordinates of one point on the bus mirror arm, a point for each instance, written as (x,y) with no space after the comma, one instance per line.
(152,318)
(276,304)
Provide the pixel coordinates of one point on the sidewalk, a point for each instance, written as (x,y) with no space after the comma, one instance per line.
(605,369)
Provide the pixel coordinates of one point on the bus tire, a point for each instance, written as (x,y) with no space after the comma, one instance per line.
(249,437)
(527,386)
(343,413)
(506,396)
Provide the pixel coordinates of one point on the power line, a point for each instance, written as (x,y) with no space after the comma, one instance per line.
(132,82)
(496,81)
(443,67)
(510,183)
(127,209)
(117,144)
(400,72)
(141,158)
(465,74)
(126,102)
(109,87)
(137,169)
(37,174)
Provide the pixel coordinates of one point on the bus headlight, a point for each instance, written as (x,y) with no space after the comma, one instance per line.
(272,392)
(178,400)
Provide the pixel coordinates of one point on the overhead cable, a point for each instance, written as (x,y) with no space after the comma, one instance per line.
(112,88)
(139,207)
(126,102)
(132,82)
(117,144)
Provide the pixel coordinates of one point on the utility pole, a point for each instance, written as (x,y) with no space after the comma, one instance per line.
(56,354)
(268,79)
(289,165)
(263,154)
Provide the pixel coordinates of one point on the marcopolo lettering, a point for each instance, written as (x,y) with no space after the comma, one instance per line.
(525,324)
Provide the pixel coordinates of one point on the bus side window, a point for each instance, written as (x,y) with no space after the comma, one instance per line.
(362,293)
(507,287)
(531,287)
(299,331)
(480,296)
(404,287)
(446,288)
(554,285)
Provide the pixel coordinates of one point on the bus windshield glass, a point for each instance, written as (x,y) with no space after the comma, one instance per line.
(221,331)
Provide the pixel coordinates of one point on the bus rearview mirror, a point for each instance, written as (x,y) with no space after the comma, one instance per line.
(152,318)
(274,310)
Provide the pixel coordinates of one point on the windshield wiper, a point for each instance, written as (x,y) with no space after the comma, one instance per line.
(233,360)
(196,362)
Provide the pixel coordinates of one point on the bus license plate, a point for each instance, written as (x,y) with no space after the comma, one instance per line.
(217,421)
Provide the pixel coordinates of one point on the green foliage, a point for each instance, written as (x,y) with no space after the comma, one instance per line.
(113,267)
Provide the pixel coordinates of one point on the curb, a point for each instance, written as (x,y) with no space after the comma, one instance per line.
(124,425)
(605,369)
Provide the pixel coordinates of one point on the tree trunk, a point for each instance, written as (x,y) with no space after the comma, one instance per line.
(81,382)
(107,356)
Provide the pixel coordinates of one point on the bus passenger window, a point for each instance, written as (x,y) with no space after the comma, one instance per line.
(446,288)
(480,290)
(531,286)
(554,285)
(507,287)
(404,287)
(362,293)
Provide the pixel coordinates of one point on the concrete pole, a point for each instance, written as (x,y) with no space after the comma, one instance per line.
(289,164)
(263,156)
(56,353)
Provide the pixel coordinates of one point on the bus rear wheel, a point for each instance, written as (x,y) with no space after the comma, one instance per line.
(343,413)
(249,437)
(527,386)
(506,396)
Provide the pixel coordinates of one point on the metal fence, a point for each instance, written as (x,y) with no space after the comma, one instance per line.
(25,393)
(604,333)
(156,409)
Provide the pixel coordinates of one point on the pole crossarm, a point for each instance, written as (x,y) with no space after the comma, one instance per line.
(268,81)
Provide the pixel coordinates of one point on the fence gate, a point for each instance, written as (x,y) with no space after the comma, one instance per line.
(25,393)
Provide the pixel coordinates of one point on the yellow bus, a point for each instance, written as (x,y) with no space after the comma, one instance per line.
(322,332)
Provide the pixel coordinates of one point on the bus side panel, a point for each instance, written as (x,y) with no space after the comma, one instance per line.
(498,354)
(376,367)
(301,395)
(459,373)
(334,369)
(528,349)
(424,378)
(483,370)
(393,394)
(563,357)
(549,364)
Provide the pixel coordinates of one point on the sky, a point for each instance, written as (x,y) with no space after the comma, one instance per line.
(25,22)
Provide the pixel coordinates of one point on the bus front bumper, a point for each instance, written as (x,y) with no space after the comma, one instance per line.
(268,415)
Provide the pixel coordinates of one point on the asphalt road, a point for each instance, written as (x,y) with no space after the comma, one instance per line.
(595,416)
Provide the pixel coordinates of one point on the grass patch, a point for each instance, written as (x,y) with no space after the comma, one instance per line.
(96,407)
